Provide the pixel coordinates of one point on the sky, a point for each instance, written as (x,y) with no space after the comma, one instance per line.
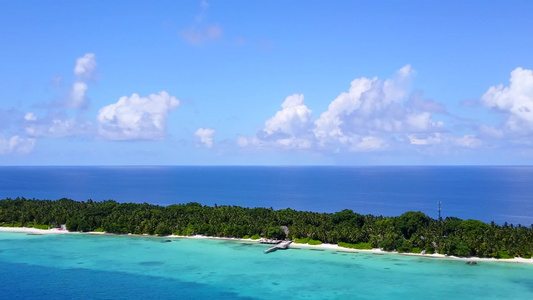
(266,83)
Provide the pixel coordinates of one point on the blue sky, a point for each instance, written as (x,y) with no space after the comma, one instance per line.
(266,83)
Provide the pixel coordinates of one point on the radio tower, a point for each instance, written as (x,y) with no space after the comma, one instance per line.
(440,218)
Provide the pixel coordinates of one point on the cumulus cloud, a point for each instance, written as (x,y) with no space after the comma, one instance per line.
(397,88)
(373,115)
(205,136)
(289,128)
(515,101)
(84,70)
(85,66)
(420,122)
(58,124)
(375,110)
(136,118)
(292,119)
(16,144)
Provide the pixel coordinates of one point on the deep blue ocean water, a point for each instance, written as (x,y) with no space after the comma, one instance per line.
(500,194)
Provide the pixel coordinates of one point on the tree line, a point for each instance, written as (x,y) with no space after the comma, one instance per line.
(409,232)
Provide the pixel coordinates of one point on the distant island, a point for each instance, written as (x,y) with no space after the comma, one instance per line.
(411,232)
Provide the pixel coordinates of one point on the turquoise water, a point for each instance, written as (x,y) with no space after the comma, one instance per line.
(125,267)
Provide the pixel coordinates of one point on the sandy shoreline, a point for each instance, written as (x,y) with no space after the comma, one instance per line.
(333,247)
(36,231)
(518,260)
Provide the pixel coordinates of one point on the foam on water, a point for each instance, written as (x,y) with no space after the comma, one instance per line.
(125,267)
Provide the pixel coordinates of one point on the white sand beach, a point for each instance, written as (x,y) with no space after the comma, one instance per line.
(31,230)
(37,231)
(435,255)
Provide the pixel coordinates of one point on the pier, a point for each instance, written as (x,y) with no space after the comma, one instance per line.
(282,245)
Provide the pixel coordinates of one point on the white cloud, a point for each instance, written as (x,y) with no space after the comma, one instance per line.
(293,143)
(374,111)
(85,66)
(515,100)
(16,144)
(421,122)
(373,115)
(57,127)
(205,136)
(77,95)
(444,140)
(397,88)
(30,117)
(469,141)
(369,143)
(84,70)
(244,141)
(136,118)
(289,128)
(425,139)
(292,119)
(328,124)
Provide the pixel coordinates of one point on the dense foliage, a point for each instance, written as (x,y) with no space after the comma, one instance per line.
(410,232)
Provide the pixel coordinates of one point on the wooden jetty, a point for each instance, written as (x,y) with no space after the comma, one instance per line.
(282,245)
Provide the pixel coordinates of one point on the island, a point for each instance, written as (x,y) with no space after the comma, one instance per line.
(412,232)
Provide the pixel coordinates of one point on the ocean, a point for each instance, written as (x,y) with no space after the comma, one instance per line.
(125,267)
(83,266)
(499,194)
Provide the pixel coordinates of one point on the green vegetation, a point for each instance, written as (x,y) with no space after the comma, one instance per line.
(246,237)
(314,242)
(37,226)
(416,250)
(307,240)
(301,241)
(275,232)
(364,246)
(410,232)
(503,254)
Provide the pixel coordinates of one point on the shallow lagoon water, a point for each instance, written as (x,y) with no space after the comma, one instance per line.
(126,267)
